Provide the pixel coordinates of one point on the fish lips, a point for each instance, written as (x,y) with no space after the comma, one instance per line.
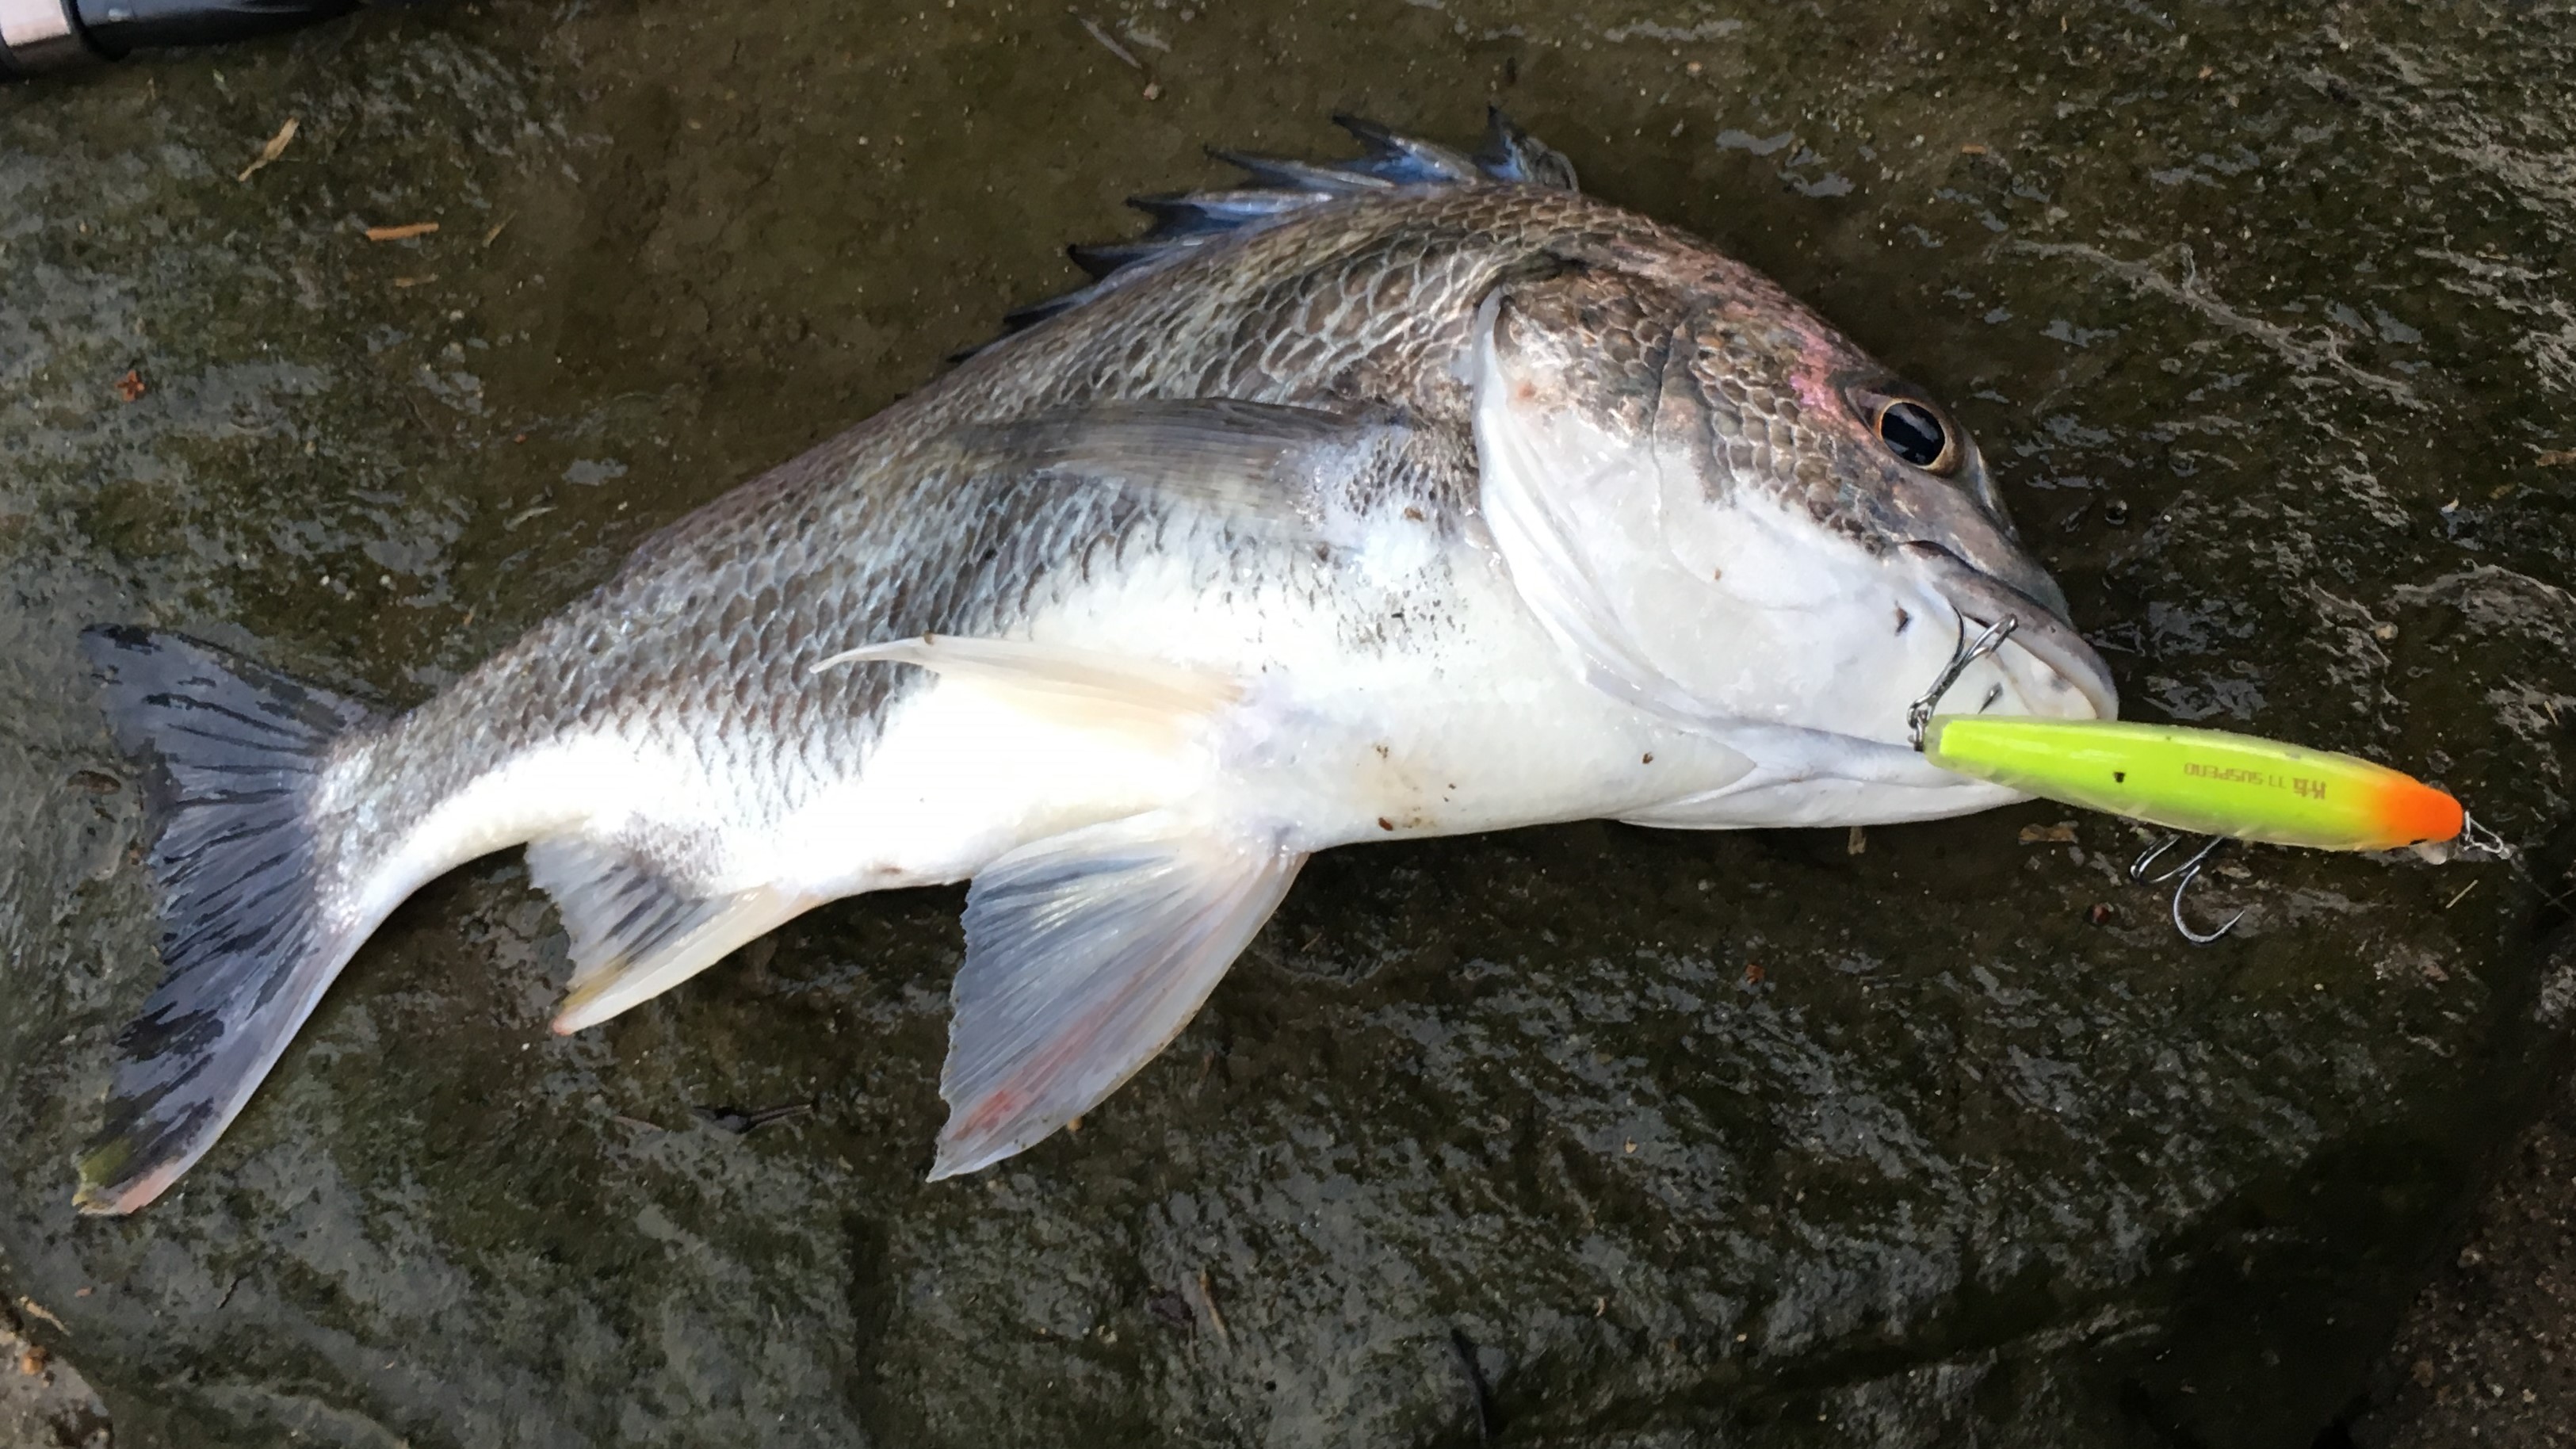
(2038,629)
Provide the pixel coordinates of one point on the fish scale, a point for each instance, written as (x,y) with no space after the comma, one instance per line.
(1400,496)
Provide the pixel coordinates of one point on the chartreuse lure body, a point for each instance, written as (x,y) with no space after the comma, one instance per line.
(2206,781)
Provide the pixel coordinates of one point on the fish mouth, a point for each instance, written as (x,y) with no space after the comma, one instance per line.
(2038,629)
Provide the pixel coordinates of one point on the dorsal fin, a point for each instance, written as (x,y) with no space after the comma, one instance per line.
(1279,187)
(1512,154)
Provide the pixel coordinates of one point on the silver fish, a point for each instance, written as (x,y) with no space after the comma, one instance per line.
(1399,496)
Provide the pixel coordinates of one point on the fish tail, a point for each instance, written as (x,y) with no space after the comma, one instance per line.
(234,754)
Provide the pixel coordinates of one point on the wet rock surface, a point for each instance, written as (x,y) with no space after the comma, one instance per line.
(2487,1354)
(1585,1135)
(44,1401)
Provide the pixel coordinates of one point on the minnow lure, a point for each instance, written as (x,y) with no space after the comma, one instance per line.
(2209,782)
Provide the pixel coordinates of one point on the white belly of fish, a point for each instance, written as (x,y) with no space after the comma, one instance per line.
(1475,723)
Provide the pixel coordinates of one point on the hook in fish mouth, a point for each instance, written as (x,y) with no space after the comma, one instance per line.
(2038,629)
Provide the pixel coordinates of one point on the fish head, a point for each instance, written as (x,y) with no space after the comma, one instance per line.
(1734,517)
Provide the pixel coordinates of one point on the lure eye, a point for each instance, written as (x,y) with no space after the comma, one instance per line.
(1911,432)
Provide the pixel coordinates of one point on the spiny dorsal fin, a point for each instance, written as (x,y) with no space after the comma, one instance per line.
(1407,160)
(1280,187)
(1512,154)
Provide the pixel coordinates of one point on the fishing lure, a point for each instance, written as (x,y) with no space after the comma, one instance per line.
(2209,782)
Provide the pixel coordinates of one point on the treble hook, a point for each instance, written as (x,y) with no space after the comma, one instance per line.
(2182,876)
(1918,715)
(2477,842)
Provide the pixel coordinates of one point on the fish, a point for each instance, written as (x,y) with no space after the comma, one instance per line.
(1402,495)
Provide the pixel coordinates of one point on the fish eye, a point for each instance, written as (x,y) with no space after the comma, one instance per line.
(1907,426)
(1915,433)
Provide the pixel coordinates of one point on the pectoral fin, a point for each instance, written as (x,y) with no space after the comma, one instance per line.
(635,934)
(1085,954)
(1099,690)
(1259,467)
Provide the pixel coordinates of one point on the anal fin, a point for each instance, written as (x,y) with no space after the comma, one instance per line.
(635,934)
(1086,953)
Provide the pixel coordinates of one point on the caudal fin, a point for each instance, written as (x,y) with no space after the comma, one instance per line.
(233,753)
